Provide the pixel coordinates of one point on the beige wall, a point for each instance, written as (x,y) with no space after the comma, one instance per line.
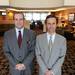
(4,2)
(37,3)
(69,2)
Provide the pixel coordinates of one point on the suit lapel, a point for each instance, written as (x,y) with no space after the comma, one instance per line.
(15,39)
(24,39)
(55,42)
(45,48)
(45,42)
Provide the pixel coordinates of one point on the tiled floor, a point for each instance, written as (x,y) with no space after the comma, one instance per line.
(68,66)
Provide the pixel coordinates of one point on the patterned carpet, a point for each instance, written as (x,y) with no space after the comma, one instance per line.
(68,66)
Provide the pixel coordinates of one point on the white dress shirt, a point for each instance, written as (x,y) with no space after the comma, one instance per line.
(17,32)
(52,37)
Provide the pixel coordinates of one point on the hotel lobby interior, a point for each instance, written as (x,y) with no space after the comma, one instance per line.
(35,13)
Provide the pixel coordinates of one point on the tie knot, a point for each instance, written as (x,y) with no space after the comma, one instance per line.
(19,31)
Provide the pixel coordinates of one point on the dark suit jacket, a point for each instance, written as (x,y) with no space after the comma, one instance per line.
(24,54)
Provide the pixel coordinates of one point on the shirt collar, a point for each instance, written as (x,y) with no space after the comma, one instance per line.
(53,36)
(19,29)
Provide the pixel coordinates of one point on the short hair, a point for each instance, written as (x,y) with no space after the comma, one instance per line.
(51,16)
(19,13)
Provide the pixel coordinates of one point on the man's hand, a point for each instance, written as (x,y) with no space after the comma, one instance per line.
(20,67)
(49,72)
(46,73)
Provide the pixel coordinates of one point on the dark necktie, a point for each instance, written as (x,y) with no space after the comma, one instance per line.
(19,39)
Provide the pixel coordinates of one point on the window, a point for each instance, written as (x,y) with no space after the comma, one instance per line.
(28,16)
(36,16)
(43,16)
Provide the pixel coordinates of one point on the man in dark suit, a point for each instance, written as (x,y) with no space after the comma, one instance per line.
(19,45)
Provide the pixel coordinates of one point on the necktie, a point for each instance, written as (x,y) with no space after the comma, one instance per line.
(19,39)
(49,48)
(50,43)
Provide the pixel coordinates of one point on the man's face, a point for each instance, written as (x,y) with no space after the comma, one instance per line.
(51,25)
(18,20)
